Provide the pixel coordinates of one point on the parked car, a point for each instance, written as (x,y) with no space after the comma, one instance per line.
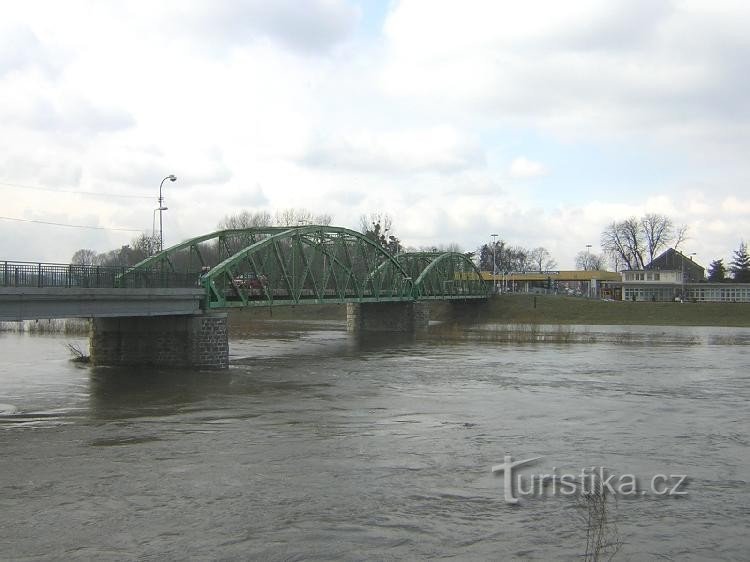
(248,281)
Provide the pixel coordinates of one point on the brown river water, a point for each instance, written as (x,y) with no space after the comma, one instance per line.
(319,445)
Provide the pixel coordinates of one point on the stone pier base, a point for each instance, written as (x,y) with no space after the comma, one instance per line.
(198,341)
(387,316)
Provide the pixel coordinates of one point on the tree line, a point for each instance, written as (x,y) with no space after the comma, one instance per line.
(632,243)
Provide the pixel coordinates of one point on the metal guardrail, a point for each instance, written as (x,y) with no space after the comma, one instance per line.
(31,274)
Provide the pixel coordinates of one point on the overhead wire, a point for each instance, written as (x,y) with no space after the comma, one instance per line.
(72,225)
(74,192)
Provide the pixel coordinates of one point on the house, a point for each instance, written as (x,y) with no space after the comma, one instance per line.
(664,279)
(672,260)
(675,276)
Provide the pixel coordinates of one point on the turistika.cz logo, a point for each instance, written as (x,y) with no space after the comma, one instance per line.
(591,480)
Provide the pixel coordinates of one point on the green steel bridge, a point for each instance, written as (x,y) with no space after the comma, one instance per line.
(271,266)
(313,264)
(169,310)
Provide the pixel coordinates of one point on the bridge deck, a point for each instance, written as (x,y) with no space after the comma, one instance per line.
(29,303)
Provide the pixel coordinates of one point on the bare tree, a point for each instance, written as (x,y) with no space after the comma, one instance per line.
(142,247)
(590,262)
(379,227)
(85,256)
(636,242)
(506,258)
(612,243)
(297,217)
(366,222)
(541,260)
(680,236)
(625,239)
(658,231)
(245,219)
(451,247)
(615,260)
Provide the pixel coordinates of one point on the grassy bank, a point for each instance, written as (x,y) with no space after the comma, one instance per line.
(502,309)
(242,316)
(544,309)
(66,326)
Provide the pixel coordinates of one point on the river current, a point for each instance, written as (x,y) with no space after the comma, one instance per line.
(320,445)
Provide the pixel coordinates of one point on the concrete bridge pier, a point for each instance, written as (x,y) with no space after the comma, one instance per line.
(387,316)
(193,341)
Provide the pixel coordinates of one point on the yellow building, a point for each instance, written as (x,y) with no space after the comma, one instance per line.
(592,283)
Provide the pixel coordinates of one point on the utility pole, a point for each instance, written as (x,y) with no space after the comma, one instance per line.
(170,177)
(494,263)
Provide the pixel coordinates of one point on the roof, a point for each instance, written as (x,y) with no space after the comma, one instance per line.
(574,275)
(673,260)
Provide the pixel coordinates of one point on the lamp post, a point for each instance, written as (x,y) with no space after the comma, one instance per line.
(494,263)
(682,261)
(170,177)
(588,266)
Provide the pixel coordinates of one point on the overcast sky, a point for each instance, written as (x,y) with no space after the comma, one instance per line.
(541,121)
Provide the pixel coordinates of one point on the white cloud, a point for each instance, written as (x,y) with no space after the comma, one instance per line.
(437,121)
(672,71)
(315,27)
(438,149)
(522,167)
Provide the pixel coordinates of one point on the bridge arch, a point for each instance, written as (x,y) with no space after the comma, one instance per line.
(313,264)
(444,275)
(183,262)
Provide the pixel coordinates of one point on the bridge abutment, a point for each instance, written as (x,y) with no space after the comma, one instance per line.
(387,316)
(198,341)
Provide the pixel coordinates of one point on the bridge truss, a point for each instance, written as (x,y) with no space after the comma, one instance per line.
(306,265)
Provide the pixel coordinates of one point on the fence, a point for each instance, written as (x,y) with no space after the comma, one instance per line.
(28,274)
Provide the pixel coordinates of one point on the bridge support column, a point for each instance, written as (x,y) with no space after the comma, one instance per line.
(387,316)
(197,341)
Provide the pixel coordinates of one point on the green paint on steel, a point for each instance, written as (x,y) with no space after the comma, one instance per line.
(271,266)
(307,265)
(444,276)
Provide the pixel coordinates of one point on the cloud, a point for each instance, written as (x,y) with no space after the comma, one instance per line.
(670,71)
(615,108)
(441,150)
(522,167)
(21,50)
(65,115)
(313,28)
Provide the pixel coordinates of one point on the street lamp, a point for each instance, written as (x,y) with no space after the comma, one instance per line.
(494,262)
(588,266)
(170,177)
(682,261)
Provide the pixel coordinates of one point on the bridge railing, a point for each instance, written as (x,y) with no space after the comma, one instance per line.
(31,274)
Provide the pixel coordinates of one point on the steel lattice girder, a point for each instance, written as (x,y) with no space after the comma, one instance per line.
(443,275)
(307,264)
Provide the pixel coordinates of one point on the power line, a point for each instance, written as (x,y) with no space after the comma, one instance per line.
(72,225)
(90,193)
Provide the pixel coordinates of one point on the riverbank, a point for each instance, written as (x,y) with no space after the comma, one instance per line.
(553,309)
(502,309)
(543,309)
